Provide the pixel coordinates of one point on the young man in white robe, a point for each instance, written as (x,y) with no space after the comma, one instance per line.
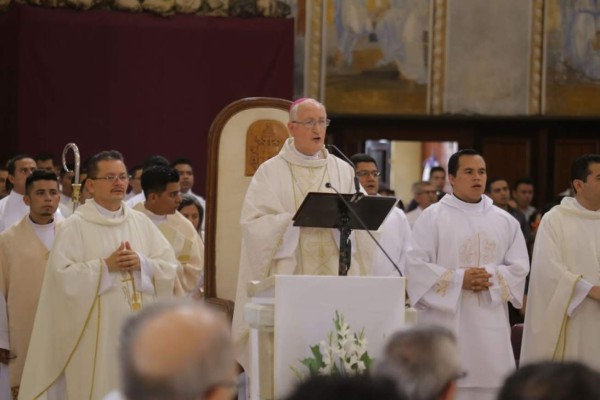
(271,245)
(186,179)
(149,161)
(161,189)
(107,262)
(563,307)
(467,260)
(394,233)
(24,249)
(12,207)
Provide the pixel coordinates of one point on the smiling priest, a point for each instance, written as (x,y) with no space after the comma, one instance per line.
(107,262)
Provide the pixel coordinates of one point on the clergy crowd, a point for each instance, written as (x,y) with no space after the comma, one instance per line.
(89,279)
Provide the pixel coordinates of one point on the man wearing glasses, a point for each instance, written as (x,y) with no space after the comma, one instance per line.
(270,243)
(394,232)
(107,262)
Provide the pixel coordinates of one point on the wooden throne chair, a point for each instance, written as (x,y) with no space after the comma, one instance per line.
(243,135)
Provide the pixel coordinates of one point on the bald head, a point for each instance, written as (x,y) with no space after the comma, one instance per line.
(176,351)
(302,103)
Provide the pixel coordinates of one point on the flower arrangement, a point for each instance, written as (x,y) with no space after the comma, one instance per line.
(343,353)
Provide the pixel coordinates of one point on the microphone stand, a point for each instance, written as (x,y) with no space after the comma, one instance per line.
(358,195)
(345,242)
(345,230)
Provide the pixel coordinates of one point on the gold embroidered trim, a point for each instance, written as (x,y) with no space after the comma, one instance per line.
(561,343)
(87,319)
(96,350)
(504,290)
(441,286)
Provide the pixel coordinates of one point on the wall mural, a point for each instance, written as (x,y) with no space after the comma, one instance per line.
(419,57)
(376,56)
(572,61)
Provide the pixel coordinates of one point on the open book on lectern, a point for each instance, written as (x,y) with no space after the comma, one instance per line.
(326,210)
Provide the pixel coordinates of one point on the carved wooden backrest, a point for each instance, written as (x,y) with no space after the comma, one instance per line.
(244,134)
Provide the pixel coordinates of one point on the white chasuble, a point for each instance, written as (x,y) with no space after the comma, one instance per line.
(271,245)
(449,237)
(82,306)
(567,249)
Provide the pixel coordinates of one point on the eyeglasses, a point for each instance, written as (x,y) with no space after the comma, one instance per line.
(428,192)
(311,123)
(111,178)
(364,174)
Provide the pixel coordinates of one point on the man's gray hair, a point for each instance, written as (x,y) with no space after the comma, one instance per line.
(419,186)
(207,369)
(422,361)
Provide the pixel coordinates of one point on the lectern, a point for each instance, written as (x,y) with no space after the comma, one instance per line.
(290,313)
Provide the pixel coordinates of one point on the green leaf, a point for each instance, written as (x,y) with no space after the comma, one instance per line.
(337,321)
(312,365)
(367,360)
(318,356)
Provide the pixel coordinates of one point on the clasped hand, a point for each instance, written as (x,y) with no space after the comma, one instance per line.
(476,279)
(123,259)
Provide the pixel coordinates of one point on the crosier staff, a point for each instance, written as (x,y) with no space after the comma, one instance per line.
(76,185)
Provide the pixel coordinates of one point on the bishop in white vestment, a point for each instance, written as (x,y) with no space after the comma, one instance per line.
(270,244)
(562,321)
(467,260)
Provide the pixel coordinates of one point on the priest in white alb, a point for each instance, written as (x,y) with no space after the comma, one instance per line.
(107,262)
(271,245)
(562,322)
(467,260)
(394,233)
(161,189)
(24,249)
(12,207)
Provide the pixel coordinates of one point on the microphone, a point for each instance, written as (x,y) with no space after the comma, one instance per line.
(358,194)
(362,223)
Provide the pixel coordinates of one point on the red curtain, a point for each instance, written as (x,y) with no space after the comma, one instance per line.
(137,83)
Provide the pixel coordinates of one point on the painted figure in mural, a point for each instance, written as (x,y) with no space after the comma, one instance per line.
(351,23)
(400,33)
(581,21)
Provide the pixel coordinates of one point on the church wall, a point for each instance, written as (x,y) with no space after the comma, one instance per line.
(138,83)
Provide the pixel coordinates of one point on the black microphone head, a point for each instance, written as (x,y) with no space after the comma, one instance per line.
(328,185)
